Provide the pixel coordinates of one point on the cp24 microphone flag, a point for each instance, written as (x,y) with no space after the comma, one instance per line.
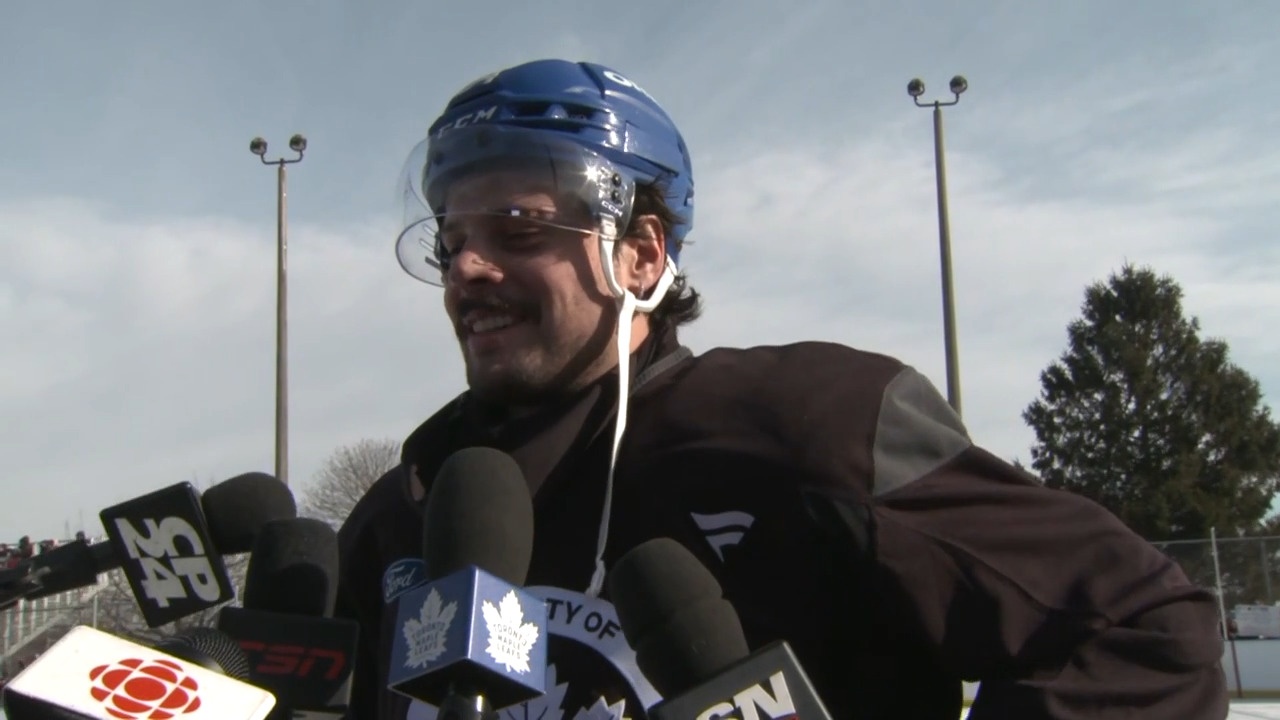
(168,541)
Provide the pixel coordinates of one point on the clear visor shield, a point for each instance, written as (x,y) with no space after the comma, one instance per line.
(504,181)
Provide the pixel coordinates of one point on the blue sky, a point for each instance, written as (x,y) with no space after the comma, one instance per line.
(137,232)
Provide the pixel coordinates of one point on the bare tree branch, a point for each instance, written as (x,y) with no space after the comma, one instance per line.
(118,612)
(345,477)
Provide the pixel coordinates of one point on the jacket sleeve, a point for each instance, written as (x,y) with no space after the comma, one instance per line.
(1044,597)
(358,599)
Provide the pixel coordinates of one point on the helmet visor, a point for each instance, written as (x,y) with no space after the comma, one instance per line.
(502,180)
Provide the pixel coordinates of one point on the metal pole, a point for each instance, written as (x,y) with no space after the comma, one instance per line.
(282,333)
(258,147)
(1266,568)
(915,89)
(1222,610)
(944,248)
(1217,578)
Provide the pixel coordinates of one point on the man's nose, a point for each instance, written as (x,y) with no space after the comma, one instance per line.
(473,263)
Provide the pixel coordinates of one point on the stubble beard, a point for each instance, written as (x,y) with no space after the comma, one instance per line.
(543,374)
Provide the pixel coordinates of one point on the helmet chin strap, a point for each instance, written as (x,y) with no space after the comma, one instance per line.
(628,306)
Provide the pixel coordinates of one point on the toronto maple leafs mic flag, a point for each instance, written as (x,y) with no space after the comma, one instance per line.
(92,675)
(472,639)
(689,643)
(295,648)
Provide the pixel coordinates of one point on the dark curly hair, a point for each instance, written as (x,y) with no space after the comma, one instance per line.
(682,304)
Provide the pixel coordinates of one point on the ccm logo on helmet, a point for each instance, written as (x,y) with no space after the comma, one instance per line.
(470,118)
(626,83)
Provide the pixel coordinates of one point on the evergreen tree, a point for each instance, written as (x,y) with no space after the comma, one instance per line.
(1151,421)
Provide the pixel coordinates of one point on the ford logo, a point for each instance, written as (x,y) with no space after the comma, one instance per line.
(402,576)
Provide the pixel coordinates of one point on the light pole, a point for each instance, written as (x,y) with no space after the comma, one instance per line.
(258,147)
(915,89)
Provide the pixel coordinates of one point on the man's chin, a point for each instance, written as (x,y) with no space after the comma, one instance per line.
(505,385)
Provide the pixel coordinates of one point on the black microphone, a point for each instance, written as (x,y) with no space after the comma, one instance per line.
(296,649)
(238,508)
(472,641)
(208,648)
(92,675)
(689,643)
(72,566)
(233,511)
(167,541)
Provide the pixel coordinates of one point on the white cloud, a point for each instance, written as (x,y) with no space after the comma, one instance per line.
(841,243)
(140,353)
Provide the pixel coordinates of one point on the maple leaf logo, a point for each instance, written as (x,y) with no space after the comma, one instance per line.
(604,711)
(510,637)
(425,634)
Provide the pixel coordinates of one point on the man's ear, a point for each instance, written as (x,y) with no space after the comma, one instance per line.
(642,256)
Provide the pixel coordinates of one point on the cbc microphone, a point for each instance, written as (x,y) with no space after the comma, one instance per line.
(472,641)
(689,643)
(170,542)
(295,648)
(92,675)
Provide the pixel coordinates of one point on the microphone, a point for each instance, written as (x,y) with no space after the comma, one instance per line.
(295,648)
(208,648)
(66,567)
(472,641)
(690,645)
(233,511)
(169,542)
(92,675)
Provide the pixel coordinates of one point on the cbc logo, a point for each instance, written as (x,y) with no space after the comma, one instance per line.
(136,689)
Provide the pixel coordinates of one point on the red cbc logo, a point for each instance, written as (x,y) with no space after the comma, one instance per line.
(134,689)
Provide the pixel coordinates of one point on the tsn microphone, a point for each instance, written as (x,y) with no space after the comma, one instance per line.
(92,675)
(689,643)
(170,542)
(295,648)
(472,641)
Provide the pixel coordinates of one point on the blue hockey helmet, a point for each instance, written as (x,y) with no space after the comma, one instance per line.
(586,129)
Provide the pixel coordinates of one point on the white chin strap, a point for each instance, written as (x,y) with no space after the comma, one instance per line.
(628,306)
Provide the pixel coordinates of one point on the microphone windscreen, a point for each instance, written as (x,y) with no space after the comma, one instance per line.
(654,581)
(479,512)
(672,612)
(236,509)
(210,649)
(293,568)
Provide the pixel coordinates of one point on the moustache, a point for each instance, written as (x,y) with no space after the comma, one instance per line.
(496,304)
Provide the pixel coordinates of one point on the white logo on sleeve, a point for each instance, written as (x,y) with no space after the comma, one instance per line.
(723,529)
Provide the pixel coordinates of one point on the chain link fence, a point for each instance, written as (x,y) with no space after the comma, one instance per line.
(1244,573)
(1241,570)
